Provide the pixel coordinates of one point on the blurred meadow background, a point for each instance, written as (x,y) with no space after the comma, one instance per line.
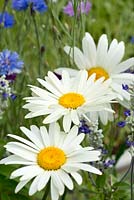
(39,39)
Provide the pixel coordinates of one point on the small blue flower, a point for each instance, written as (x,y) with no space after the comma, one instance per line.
(127,113)
(2,83)
(84,128)
(129,143)
(7,20)
(109,163)
(19,4)
(121,124)
(103,151)
(125,87)
(5,95)
(13,96)
(38,5)
(10,63)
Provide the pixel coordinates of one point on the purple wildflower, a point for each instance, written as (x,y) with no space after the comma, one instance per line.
(11,77)
(83,7)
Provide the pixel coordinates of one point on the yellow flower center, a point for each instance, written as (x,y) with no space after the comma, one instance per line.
(51,158)
(71,100)
(100,72)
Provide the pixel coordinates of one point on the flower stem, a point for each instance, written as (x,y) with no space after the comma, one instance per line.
(37,38)
(132,178)
(64,195)
(3,10)
(91,179)
(124,176)
(46,192)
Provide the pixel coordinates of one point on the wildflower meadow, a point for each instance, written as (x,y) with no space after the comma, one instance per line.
(66,100)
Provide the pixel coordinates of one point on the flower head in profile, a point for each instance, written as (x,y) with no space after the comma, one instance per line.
(105,62)
(83,7)
(69,98)
(37,5)
(6,20)
(10,63)
(50,155)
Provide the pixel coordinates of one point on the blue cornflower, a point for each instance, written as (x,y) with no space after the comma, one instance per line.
(19,4)
(10,63)
(7,20)
(121,124)
(36,5)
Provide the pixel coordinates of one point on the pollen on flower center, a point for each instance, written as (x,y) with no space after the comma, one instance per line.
(100,72)
(51,158)
(71,100)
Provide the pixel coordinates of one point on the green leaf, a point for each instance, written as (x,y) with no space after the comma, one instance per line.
(123,185)
(100,181)
(5,196)
(6,170)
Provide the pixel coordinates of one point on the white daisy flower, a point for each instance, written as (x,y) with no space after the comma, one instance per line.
(105,62)
(69,97)
(50,156)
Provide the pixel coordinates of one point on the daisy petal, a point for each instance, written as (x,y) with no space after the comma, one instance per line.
(57,182)
(54,191)
(66,179)
(21,185)
(43,180)
(33,188)
(77,177)
(79,58)
(89,49)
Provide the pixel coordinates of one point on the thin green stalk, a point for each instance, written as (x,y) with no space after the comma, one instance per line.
(82,17)
(132,177)
(61,25)
(75,6)
(92,180)
(3,10)
(37,39)
(64,195)
(46,192)
(124,176)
